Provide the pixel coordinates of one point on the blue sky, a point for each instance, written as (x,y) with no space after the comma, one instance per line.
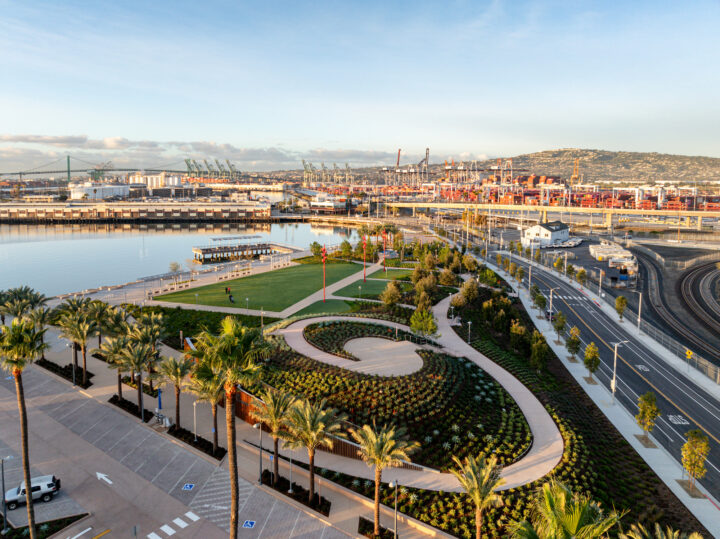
(267,83)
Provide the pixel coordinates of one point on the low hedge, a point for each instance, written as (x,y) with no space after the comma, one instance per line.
(66,372)
(202,444)
(130,407)
(300,494)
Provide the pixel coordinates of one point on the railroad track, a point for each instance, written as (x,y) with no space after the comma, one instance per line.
(663,312)
(696,294)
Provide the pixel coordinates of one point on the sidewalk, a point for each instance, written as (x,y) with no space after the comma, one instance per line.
(659,460)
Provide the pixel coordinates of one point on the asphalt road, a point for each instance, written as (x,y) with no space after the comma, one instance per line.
(683,405)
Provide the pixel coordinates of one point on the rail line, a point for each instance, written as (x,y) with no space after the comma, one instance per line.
(695,288)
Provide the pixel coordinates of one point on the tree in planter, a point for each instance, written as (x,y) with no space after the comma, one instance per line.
(273,410)
(541,302)
(135,359)
(559,263)
(573,342)
(519,274)
(312,426)
(592,358)
(346,249)
(620,306)
(21,343)
(559,323)
(233,353)
(101,313)
(391,295)
(380,448)
(570,271)
(315,249)
(694,455)
(560,513)
(479,479)
(582,276)
(539,351)
(79,327)
(538,256)
(207,385)
(174,371)
(150,329)
(498,260)
(423,323)
(113,350)
(512,269)
(648,412)
(40,318)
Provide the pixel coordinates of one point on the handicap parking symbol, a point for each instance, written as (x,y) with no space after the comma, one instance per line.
(249,524)
(188,486)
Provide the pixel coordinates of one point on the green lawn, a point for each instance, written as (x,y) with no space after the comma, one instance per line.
(329,306)
(272,291)
(370,289)
(391,274)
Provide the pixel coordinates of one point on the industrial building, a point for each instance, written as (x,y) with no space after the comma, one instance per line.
(545,234)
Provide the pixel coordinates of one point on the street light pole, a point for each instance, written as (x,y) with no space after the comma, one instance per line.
(551,301)
(394,484)
(639,311)
(2,465)
(469,329)
(195,419)
(290,490)
(259,427)
(613,382)
(138,378)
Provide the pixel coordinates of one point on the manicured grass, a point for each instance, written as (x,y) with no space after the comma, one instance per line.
(370,289)
(330,306)
(391,274)
(272,291)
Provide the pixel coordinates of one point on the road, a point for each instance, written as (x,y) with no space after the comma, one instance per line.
(683,405)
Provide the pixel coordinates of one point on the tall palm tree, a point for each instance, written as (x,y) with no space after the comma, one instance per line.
(273,411)
(638,531)
(311,426)
(40,317)
(207,385)
(381,448)
(79,327)
(101,313)
(560,513)
(17,307)
(233,353)
(135,359)
(71,307)
(3,299)
(480,479)
(25,293)
(150,329)
(21,343)
(175,370)
(113,350)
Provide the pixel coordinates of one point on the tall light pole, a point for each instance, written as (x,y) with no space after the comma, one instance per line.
(613,382)
(469,329)
(2,465)
(247,304)
(259,427)
(551,301)
(394,484)
(290,490)
(138,379)
(529,276)
(195,419)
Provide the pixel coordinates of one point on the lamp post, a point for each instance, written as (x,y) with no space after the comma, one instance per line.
(195,419)
(138,378)
(600,283)
(247,304)
(2,466)
(290,490)
(359,291)
(259,427)
(394,484)
(262,321)
(73,368)
(613,382)
(324,257)
(469,329)
(551,301)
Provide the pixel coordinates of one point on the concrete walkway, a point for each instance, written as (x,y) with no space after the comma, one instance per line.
(547,447)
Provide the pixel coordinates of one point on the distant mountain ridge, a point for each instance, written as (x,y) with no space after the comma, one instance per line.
(601,165)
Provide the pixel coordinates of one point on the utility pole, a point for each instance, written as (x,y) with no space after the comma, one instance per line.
(639,311)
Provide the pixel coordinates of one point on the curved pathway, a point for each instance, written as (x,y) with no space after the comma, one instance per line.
(547,447)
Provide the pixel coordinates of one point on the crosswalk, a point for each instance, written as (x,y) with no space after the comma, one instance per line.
(169,531)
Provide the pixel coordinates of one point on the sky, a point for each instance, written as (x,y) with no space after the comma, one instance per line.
(266,84)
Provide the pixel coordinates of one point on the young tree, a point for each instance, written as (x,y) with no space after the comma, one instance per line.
(447,278)
(207,384)
(418,274)
(498,259)
(422,301)
(541,302)
(638,531)
(592,358)
(480,480)
(573,342)
(174,267)
(517,334)
(648,412)
(582,276)
(694,454)
(559,263)
(559,323)
(570,271)
(470,290)
(315,249)
(539,352)
(346,249)
(519,274)
(380,448)
(469,263)
(620,306)
(538,255)
(430,262)
(391,295)
(78,327)
(423,323)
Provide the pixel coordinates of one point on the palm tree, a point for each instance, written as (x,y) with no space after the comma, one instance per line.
(79,327)
(311,426)
(3,299)
(382,448)
(560,513)
(638,531)
(150,330)
(26,294)
(40,317)
(273,411)
(113,350)
(233,354)
(480,479)
(101,313)
(207,385)
(21,343)
(135,359)
(17,307)
(175,371)
(71,307)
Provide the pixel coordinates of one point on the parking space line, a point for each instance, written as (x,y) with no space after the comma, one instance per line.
(166,465)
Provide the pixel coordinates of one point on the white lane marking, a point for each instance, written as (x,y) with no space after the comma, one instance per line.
(167,529)
(180,523)
(192,516)
(81,533)
(153,535)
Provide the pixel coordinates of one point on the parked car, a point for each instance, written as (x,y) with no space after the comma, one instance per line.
(43,488)
(549,315)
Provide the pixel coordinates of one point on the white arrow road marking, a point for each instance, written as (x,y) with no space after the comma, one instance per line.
(103,477)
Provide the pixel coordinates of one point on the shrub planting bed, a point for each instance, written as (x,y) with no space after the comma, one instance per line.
(299,494)
(130,407)
(367,528)
(146,387)
(331,337)
(201,444)
(66,372)
(44,530)
(450,406)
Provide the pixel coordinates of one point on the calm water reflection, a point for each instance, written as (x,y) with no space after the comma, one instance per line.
(56,259)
